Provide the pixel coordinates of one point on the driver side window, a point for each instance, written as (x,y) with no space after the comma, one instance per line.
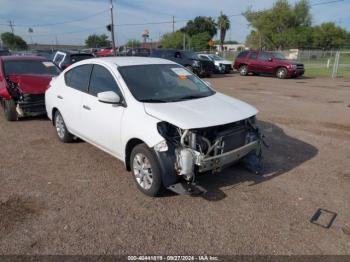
(102,81)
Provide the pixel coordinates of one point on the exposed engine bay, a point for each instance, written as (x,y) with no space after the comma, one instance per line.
(213,148)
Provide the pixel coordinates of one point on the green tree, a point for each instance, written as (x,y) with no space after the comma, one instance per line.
(173,40)
(328,36)
(276,27)
(95,40)
(199,42)
(223,25)
(133,43)
(13,41)
(200,24)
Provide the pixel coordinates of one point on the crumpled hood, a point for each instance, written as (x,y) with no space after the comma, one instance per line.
(214,110)
(31,84)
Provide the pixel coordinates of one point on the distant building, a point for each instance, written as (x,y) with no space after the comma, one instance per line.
(232,47)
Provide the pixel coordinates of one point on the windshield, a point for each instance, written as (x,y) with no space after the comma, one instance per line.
(190,55)
(217,58)
(30,67)
(163,83)
(278,56)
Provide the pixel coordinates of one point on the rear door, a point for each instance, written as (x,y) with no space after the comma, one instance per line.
(101,121)
(264,63)
(69,98)
(253,64)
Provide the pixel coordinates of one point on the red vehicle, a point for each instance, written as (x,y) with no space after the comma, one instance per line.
(262,62)
(23,82)
(108,51)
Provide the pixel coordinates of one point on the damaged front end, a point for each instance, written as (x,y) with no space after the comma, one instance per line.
(213,148)
(27,104)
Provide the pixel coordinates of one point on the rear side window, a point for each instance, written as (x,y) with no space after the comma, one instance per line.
(102,81)
(253,55)
(242,54)
(264,56)
(78,77)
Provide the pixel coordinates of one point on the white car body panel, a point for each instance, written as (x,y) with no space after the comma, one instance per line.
(214,110)
(111,127)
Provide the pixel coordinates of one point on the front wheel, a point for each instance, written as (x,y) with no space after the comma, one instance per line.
(146,171)
(61,129)
(10,110)
(281,73)
(243,70)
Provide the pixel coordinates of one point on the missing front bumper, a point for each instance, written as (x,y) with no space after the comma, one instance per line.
(216,163)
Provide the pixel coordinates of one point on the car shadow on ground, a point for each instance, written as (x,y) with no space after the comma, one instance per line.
(284,154)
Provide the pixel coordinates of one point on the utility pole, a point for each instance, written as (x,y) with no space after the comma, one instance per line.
(112,29)
(173,24)
(11,26)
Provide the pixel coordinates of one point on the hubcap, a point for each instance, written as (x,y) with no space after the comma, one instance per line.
(142,171)
(281,73)
(243,70)
(60,126)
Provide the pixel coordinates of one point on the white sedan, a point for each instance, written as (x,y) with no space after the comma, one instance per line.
(162,121)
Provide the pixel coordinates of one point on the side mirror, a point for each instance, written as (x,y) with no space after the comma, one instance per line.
(270,59)
(108,97)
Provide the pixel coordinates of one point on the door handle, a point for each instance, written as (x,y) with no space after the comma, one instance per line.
(60,97)
(86,107)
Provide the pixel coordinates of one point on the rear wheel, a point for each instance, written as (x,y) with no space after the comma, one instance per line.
(61,129)
(243,70)
(146,171)
(281,73)
(10,110)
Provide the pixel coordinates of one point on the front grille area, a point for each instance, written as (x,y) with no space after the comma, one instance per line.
(300,67)
(208,66)
(30,103)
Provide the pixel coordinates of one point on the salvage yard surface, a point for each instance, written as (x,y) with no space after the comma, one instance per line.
(75,199)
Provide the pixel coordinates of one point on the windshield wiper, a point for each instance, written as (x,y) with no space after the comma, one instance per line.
(187,97)
(151,100)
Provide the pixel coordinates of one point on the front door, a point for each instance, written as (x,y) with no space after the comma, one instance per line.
(101,121)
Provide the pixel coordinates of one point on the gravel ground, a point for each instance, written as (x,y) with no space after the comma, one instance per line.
(75,199)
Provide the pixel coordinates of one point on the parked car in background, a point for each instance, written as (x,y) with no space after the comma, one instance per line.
(166,126)
(188,59)
(23,82)
(138,52)
(262,62)
(4,52)
(63,59)
(103,52)
(221,65)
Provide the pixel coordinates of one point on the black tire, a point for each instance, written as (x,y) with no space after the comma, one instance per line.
(282,73)
(10,110)
(243,70)
(156,186)
(62,132)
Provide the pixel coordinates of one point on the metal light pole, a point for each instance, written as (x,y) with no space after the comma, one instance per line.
(112,29)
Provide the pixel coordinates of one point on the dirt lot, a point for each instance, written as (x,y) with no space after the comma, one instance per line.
(75,199)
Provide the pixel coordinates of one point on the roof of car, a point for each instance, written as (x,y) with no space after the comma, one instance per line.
(21,58)
(132,60)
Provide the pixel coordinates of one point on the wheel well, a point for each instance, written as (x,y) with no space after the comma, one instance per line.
(280,67)
(240,65)
(54,110)
(128,148)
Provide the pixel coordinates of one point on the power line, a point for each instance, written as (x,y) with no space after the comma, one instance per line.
(61,23)
(328,2)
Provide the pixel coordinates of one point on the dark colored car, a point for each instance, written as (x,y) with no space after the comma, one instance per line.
(4,52)
(188,59)
(23,82)
(272,63)
(138,52)
(63,59)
